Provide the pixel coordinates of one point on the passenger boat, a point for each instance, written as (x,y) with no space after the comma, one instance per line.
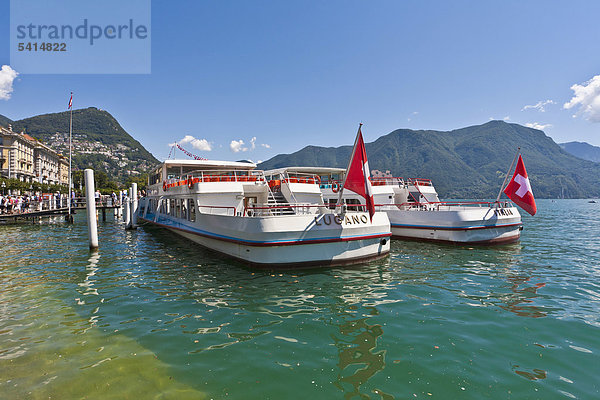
(231,208)
(413,207)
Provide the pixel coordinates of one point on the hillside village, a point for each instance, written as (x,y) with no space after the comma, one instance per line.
(99,142)
(118,153)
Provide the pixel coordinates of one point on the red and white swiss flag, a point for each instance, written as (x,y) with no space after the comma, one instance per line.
(357,174)
(70,101)
(519,189)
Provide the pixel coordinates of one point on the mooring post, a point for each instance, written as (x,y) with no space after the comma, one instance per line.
(120,209)
(91,208)
(126,213)
(124,207)
(134,205)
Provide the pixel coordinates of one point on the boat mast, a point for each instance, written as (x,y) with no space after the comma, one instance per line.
(507,174)
(339,201)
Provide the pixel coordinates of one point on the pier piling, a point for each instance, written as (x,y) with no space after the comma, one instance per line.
(126,212)
(91,208)
(134,205)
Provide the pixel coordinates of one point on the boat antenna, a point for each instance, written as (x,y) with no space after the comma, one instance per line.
(507,174)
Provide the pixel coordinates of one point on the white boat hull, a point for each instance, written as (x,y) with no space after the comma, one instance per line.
(461,225)
(288,240)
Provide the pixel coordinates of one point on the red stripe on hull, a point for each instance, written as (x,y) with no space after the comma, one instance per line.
(490,242)
(443,228)
(280,266)
(274,244)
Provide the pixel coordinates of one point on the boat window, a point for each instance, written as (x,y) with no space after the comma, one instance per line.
(173,172)
(172,207)
(353,201)
(192,213)
(331,203)
(177,209)
(184,213)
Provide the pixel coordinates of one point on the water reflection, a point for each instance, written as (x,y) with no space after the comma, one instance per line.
(520,301)
(356,346)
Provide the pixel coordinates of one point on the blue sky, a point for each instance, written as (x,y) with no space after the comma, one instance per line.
(293,73)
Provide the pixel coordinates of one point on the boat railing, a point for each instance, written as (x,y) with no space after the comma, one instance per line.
(437,205)
(398,180)
(262,210)
(214,176)
(305,178)
(419,182)
(387,181)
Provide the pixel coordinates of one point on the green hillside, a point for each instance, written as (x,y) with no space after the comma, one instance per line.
(99,141)
(465,163)
(4,121)
(582,150)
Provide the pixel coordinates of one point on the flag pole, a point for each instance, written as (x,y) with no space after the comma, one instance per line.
(70,151)
(348,168)
(507,174)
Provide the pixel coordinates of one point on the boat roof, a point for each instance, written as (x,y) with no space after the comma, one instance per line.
(307,170)
(210,164)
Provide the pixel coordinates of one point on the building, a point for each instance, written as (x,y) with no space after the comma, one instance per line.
(47,165)
(27,159)
(64,170)
(17,155)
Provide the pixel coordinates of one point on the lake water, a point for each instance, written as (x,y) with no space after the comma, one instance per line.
(150,316)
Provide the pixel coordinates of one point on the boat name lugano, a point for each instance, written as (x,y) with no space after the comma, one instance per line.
(328,219)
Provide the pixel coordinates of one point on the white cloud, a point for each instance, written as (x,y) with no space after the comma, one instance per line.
(507,118)
(537,125)
(199,144)
(7,76)
(587,98)
(540,105)
(237,145)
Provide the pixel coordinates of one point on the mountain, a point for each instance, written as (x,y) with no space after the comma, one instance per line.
(582,150)
(465,163)
(4,121)
(99,142)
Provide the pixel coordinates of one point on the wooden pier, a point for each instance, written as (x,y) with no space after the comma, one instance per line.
(49,212)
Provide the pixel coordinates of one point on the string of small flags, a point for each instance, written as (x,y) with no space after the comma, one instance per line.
(187,153)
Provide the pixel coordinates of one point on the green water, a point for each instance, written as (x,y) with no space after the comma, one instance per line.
(152,317)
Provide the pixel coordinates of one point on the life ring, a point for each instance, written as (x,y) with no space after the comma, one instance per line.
(335,187)
(165,186)
(317,179)
(190,182)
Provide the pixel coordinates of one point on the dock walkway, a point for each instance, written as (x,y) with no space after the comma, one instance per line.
(46,209)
